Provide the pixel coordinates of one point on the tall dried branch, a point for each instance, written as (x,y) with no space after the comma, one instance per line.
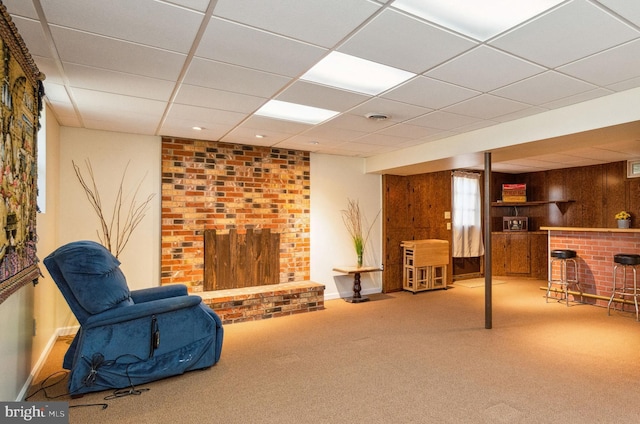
(116,232)
(355,221)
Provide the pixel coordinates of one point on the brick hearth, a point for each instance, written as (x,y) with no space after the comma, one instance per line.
(262,302)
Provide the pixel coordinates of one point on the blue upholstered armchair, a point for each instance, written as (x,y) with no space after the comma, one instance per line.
(128,338)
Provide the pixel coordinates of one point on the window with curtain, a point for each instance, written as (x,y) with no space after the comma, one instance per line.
(467,216)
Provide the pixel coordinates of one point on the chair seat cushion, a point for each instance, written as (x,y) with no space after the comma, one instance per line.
(563,254)
(93,275)
(627,259)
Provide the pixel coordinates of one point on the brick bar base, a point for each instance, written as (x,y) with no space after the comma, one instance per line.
(262,302)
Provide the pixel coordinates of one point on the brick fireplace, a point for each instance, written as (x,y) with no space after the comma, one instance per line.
(222,186)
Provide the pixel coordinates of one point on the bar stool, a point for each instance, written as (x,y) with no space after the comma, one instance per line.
(563,256)
(625,260)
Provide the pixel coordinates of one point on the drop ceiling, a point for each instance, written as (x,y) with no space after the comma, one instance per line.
(164,67)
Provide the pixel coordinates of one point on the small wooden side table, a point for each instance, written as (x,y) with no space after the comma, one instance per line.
(356,271)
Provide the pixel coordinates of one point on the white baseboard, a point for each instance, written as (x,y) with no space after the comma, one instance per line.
(64,331)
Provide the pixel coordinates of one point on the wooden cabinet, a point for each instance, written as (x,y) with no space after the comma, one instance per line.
(519,254)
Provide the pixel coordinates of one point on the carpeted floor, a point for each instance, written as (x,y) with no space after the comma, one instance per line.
(404,358)
(477,282)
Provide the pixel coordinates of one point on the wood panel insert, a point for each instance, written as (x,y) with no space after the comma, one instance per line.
(233,260)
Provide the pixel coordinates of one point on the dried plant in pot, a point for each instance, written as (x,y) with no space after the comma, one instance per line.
(116,229)
(356,224)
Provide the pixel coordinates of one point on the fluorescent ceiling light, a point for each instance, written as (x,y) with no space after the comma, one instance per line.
(478,19)
(294,112)
(352,73)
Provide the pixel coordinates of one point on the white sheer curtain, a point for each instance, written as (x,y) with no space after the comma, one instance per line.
(467,220)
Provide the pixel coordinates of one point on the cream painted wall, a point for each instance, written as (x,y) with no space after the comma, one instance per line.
(334,179)
(109,153)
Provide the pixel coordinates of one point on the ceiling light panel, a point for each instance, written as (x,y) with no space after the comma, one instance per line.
(295,112)
(477,19)
(352,73)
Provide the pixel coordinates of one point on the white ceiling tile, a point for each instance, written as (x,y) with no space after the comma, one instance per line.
(338,17)
(65,114)
(48,67)
(267,125)
(598,68)
(430,93)
(217,99)
(358,123)
(184,128)
(330,132)
(141,21)
(486,107)
(310,94)
(629,9)
(57,93)
(578,98)
(112,122)
(594,153)
(379,139)
(396,111)
(222,76)
(443,120)
(240,45)
(625,85)
(118,82)
(20,8)
(627,147)
(522,113)
(543,88)
(102,52)
(376,43)
(205,116)
(570,32)
(94,104)
(408,131)
(33,36)
(199,5)
(484,69)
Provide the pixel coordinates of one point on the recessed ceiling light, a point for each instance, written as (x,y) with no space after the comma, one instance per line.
(260,136)
(294,112)
(197,128)
(478,19)
(352,73)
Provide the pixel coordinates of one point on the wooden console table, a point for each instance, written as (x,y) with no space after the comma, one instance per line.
(356,271)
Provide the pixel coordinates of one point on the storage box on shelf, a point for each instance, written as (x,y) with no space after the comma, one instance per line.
(425,264)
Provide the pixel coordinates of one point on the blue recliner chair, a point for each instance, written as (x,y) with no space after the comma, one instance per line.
(128,338)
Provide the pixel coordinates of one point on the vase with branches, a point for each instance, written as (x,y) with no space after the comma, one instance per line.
(125,215)
(358,227)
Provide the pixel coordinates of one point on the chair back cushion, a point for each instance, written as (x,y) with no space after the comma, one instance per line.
(93,275)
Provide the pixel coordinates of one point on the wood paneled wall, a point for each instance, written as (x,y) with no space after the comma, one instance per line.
(414,206)
(596,193)
(413,209)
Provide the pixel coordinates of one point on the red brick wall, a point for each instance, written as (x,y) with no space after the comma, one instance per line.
(210,185)
(595,252)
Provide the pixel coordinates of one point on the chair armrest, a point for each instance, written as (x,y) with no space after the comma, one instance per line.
(140,310)
(161,292)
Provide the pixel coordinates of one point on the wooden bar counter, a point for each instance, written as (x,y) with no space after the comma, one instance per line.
(595,248)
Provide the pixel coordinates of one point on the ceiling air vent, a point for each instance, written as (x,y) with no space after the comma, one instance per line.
(377,116)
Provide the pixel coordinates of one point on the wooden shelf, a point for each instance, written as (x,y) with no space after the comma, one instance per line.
(532,203)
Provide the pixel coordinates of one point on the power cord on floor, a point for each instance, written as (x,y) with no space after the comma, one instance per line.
(97,361)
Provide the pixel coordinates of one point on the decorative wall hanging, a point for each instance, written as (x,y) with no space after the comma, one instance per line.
(20,105)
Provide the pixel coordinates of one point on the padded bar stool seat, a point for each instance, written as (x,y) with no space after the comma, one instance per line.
(625,260)
(563,257)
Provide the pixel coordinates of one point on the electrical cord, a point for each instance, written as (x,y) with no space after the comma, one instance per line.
(44,385)
(97,361)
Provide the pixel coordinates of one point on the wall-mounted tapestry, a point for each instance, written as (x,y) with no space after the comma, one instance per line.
(20,105)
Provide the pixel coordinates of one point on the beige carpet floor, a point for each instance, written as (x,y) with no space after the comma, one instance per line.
(404,358)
